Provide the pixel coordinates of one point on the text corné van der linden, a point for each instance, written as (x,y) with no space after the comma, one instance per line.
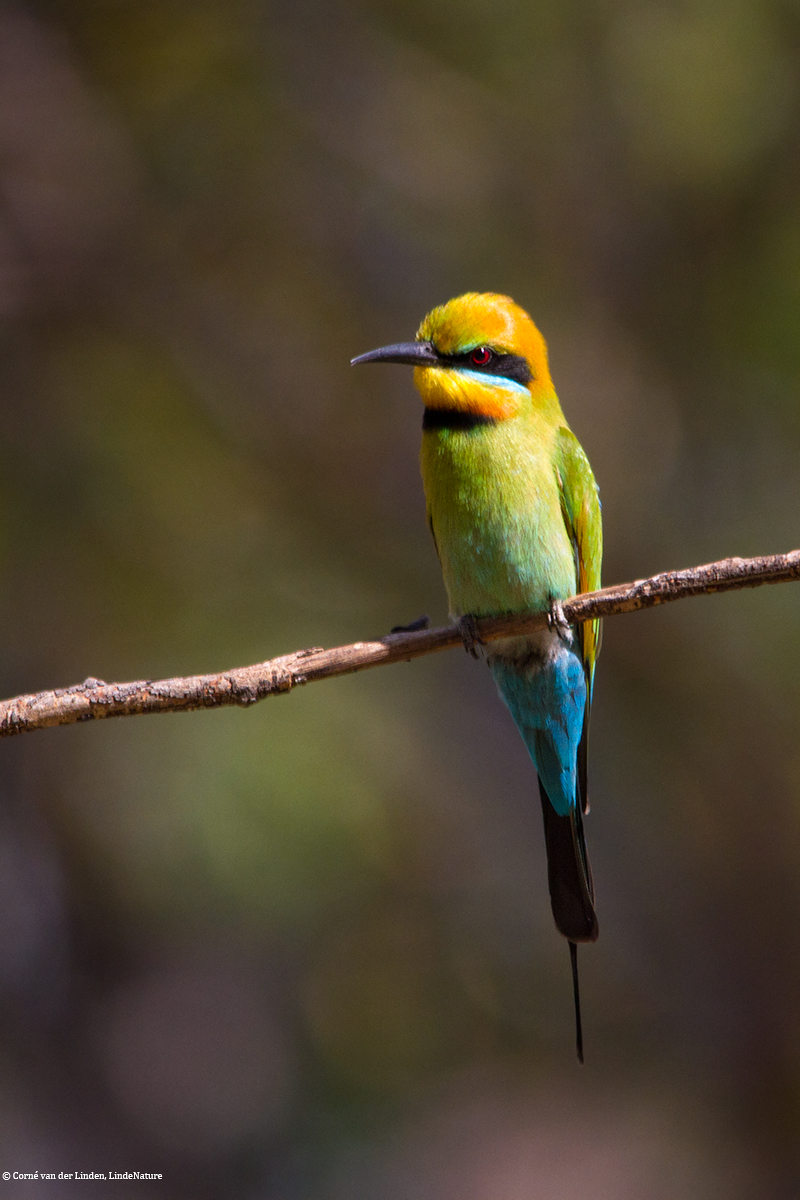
(87,1175)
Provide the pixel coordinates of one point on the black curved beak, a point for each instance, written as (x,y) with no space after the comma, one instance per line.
(416,354)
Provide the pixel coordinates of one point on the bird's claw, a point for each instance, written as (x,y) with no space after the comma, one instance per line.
(422,622)
(468,628)
(557,620)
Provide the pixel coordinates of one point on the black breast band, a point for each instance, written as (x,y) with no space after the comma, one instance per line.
(448,418)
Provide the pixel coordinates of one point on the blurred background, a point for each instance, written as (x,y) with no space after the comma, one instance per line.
(304,951)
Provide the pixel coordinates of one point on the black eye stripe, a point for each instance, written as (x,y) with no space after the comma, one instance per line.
(508,366)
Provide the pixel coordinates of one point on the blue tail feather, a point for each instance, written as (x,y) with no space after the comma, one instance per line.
(547,698)
(547,695)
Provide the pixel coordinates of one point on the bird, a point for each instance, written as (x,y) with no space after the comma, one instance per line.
(514,510)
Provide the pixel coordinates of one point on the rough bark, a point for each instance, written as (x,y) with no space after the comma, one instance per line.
(93,699)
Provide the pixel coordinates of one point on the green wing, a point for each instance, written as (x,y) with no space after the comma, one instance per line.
(580,506)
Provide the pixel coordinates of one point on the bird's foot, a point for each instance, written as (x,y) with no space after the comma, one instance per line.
(468,628)
(556,620)
(422,622)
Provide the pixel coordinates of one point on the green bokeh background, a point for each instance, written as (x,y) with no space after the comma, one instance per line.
(305,950)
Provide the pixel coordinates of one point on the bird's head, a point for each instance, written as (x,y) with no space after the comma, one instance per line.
(479,354)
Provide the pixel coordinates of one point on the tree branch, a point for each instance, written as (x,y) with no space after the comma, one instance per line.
(93,699)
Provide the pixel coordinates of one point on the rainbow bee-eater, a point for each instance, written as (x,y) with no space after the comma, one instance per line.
(515,515)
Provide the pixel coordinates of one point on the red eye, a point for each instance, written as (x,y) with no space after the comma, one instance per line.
(481,356)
